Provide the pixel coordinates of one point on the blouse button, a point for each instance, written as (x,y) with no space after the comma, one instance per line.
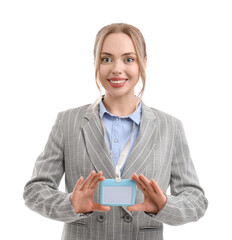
(115,140)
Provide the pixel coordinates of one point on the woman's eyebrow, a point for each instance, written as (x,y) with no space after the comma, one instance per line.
(124,54)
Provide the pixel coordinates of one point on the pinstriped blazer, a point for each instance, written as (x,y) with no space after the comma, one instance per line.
(76,146)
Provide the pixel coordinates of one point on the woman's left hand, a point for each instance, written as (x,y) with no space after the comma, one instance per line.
(154,198)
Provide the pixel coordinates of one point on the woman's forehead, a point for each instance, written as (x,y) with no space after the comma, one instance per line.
(116,43)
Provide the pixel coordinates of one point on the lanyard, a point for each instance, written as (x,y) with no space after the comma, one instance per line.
(123,154)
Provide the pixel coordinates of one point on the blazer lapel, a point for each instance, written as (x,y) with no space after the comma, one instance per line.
(95,143)
(143,145)
(98,149)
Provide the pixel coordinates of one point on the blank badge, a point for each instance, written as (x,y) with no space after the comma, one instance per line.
(117,193)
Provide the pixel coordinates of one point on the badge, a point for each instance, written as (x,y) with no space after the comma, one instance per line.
(114,193)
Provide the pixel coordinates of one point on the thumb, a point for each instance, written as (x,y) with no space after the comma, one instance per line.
(99,207)
(136,207)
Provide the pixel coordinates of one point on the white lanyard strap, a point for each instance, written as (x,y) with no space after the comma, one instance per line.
(123,154)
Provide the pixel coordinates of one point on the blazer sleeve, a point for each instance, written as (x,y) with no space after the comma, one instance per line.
(187,202)
(41,192)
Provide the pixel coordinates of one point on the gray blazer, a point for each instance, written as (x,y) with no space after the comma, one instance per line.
(76,146)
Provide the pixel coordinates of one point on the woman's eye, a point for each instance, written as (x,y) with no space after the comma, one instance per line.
(106,60)
(130,59)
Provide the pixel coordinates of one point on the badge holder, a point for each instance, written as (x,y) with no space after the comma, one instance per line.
(117,193)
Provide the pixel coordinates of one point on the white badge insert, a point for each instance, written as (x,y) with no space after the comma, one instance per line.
(117,193)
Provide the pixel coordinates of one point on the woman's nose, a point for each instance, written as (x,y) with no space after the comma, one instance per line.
(117,68)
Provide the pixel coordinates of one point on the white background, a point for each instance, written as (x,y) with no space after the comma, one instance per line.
(46,66)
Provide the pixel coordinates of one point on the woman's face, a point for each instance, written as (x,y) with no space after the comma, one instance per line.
(119,70)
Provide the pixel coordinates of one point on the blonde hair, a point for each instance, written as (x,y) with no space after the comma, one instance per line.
(140,48)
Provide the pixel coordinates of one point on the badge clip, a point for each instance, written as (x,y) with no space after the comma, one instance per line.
(118,174)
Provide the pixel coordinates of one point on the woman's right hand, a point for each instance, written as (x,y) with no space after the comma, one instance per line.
(82,195)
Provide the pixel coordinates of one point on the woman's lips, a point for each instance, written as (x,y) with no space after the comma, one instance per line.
(117,82)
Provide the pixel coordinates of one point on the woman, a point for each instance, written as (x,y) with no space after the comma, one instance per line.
(86,142)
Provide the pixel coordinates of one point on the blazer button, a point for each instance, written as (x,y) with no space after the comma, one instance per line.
(127,218)
(101,218)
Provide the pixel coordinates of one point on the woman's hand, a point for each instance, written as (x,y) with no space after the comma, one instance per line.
(154,198)
(82,196)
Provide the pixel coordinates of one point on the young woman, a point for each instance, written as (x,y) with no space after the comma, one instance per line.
(86,142)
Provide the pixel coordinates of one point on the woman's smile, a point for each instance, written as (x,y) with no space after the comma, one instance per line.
(117,82)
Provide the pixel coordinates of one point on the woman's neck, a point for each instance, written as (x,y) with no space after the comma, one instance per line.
(122,106)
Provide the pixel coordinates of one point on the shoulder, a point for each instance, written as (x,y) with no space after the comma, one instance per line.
(163,115)
(164,119)
(73,114)
(74,111)
(160,115)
